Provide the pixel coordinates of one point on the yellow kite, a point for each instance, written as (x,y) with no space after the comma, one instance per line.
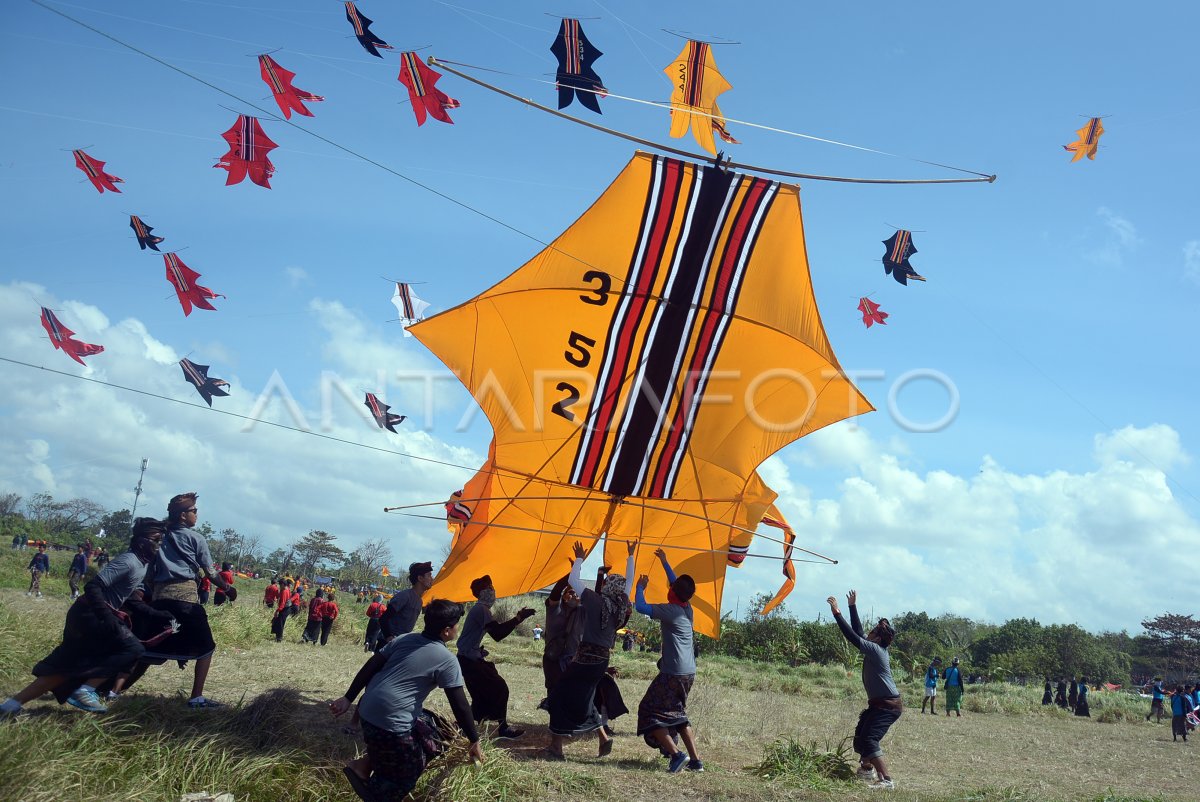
(636,372)
(696,83)
(1088,142)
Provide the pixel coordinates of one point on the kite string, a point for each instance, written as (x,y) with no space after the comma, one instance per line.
(697,112)
(664,546)
(702,158)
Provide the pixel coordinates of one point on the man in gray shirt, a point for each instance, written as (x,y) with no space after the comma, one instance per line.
(662,714)
(183,559)
(397,733)
(404,608)
(489,691)
(883,699)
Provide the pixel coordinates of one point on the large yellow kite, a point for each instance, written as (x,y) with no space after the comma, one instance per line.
(636,372)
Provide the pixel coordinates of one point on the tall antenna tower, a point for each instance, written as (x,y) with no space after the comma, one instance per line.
(137,491)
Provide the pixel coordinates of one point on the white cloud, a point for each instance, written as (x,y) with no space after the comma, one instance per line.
(296,275)
(1191,260)
(1058,546)
(1122,238)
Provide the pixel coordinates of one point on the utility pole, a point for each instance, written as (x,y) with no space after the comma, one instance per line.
(137,491)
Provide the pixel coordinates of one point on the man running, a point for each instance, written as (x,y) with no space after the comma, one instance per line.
(489,691)
(403,609)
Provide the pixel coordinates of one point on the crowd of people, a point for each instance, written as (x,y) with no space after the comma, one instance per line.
(1185,706)
(147,606)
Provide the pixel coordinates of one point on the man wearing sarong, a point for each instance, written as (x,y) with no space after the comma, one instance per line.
(97,643)
(573,709)
(564,628)
(488,690)
(1081,703)
(1156,701)
(884,706)
(182,561)
(662,714)
(954,689)
(400,735)
(1060,694)
(403,609)
(1181,706)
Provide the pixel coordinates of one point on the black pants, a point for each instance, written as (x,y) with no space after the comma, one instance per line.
(873,724)
(326,625)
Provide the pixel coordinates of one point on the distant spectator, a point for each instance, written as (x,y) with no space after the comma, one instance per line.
(78,571)
(537,632)
(931,681)
(329,614)
(1081,704)
(1047,694)
(374,612)
(1157,693)
(1073,695)
(225,573)
(204,589)
(954,689)
(18,541)
(1181,706)
(40,564)
(1060,693)
(271,594)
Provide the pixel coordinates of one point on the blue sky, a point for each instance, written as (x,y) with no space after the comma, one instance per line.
(1058,301)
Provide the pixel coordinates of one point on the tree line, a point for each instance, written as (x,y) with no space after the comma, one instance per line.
(69,522)
(1020,649)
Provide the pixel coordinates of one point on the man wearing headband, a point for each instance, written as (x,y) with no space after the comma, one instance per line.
(183,560)
(883,699)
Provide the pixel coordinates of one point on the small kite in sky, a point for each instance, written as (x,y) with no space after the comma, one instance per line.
(247,156)
(575,77)
(362,30)
(142,231)
(697,82)
(183,279)
(1088,142)
(64,340)
(94,170)
(197,376)
(379,411)
(871,312)
(424,96)
(410,308)
(287,96)
(895,260)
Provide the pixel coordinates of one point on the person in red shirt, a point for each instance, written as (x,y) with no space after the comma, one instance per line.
(329,614)
(374,611)
(271,594)
(312,632)
(282,610)
(225,573)
(205,587)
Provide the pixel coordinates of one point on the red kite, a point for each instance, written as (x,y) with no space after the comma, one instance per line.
(183,279)
(871,312)
(247,156)
(287,96)
(94,170)
(424,96)
(64,340)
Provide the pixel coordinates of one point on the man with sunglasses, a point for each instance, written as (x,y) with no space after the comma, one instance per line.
(883,699)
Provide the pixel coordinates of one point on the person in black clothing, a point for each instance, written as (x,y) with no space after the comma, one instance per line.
(1073,695)
(1060,693)
(78,571)
(40,564)
(1047,694)
(1081,702)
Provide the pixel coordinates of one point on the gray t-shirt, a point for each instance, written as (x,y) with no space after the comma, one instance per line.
(122,576)
(184,552)
(415,666)
(877,671)
(470,639)
(402,612)
(678,647)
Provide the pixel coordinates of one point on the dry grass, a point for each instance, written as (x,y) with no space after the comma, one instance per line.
(278,743)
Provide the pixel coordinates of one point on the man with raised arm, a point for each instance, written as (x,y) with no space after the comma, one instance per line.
(883,699)
(662,714)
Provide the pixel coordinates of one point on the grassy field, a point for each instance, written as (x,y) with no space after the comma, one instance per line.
(276,742)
